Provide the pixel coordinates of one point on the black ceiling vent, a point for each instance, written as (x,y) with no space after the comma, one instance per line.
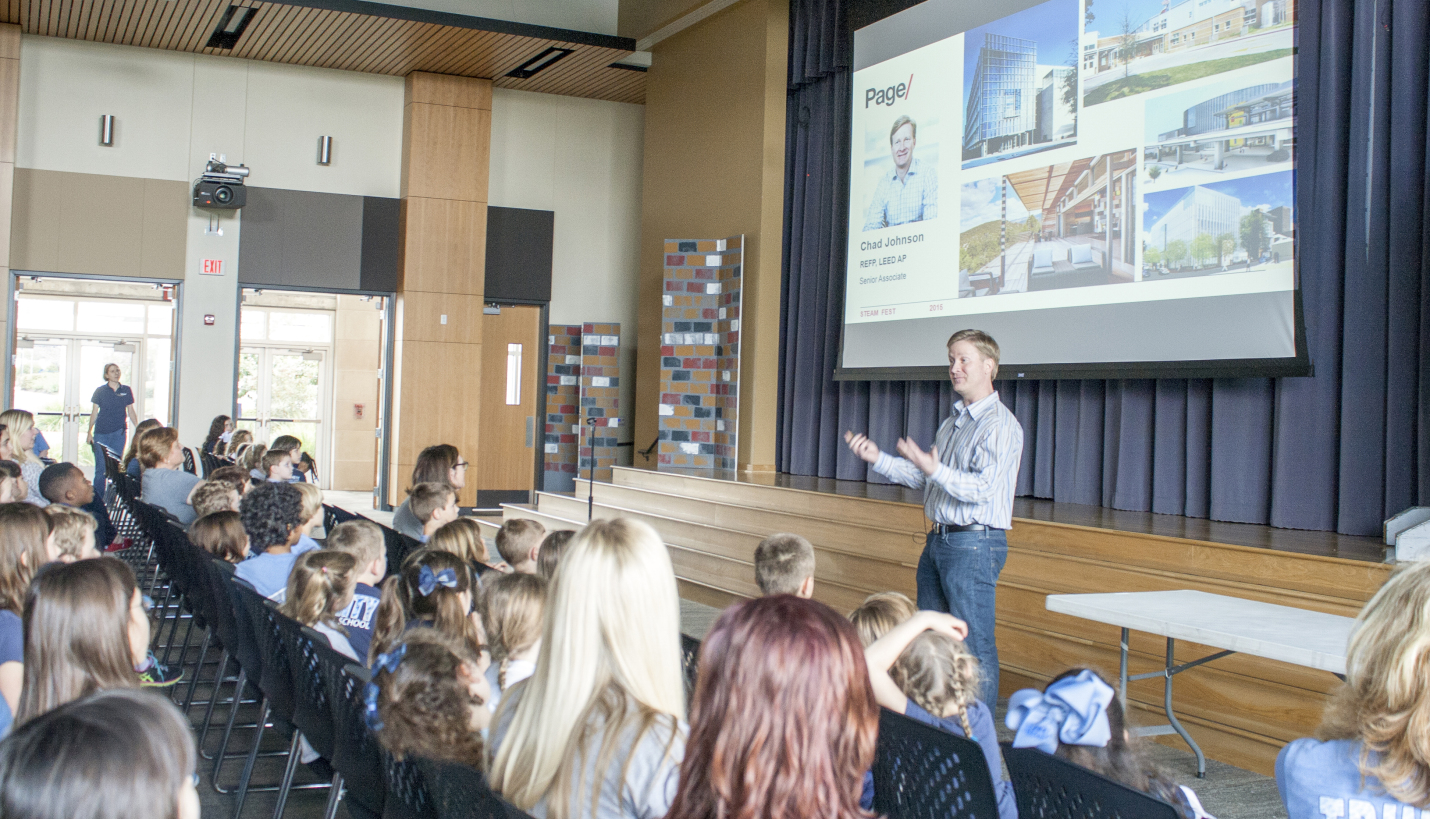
(629,67)
(235,20)
(539,63)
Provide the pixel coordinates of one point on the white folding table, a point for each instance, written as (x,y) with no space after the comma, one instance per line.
(1292,635)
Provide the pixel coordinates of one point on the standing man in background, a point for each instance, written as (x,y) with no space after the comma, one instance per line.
(968,478)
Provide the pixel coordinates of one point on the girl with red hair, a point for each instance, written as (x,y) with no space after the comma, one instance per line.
(784,720)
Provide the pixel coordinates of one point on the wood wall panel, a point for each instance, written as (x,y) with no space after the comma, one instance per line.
(444,246)
(423,313)
(446,151)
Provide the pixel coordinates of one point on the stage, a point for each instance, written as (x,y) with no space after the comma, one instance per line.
(868,538)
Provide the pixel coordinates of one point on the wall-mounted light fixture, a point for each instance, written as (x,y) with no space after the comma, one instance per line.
(106,130)
(325,150)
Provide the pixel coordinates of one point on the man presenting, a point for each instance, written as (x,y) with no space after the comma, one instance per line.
(908,193)
(968,479)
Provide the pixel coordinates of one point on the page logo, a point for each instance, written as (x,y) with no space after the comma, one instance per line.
(890,95)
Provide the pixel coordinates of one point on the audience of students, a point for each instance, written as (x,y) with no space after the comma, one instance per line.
(20,424)
(1371,755)
(784,564)
(120,754)
(432,590)
(518,542)
(272,515)
(553,547)
(363,540)
(783,721)
(131,462)
(165,484)
(598,730)
(435,464)
(222,535)
(294,448)
(512,609)
(428,698)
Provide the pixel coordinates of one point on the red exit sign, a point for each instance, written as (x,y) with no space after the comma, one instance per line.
(212,267)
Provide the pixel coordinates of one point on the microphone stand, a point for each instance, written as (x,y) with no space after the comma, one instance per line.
(591,471)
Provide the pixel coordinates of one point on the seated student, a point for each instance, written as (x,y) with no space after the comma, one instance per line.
(512,608)
(312,516)
(12,482)
(879,613)
(1369,757)
(65,484)
(463,538)
(428,698)
(214,496)
(20,424)
(435,504)
(234,476)
(784,564)
(518,541)
(277,466)
(221,534)
(1055,721)
(25,546)
(548,555)
(304,469)
(165,484)
(363,540)
(85,630)
(435,464)
(252,461)
(320,586)
(608,686)
(73,532)
(433,590)
(272,516)
(124,754)
(816,727)
(237,445)
(294,447)
(131,462)
(220,432)
(922,670)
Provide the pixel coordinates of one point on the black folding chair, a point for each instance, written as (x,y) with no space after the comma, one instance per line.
(356,754)
(333,515)
(689,662)
(399,546)
(456,791)
(210,462)
(310,667)
(1052,788)
(921,772)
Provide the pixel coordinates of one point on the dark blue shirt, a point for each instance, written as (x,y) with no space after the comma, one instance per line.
(358,618)
(111,405)
(12,638)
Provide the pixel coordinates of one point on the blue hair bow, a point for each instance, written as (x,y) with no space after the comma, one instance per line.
(1072,711)
(384,662)
(428,580)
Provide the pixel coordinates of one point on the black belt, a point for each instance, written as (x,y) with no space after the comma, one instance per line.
(950,528)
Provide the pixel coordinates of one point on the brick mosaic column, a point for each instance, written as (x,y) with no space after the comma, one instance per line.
(600,397)
(563,399)
(700,354)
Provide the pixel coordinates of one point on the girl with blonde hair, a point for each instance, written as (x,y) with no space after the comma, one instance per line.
(598,731)
(512,609)
(922,669)
(321,585)
(463,538)
(1371,755)
(20,424)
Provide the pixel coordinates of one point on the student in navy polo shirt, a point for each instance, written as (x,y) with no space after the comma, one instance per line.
(111,401)
(363,540)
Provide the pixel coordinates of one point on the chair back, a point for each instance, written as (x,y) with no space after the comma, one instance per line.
(333,515)
(457,791)
(310,672)
(921,772)
(209,461)
(272,674)
(356,754)
(219,574)
(407,794)
(689,662)
(399,546)
(189,465)
(192,575)
(1052,788)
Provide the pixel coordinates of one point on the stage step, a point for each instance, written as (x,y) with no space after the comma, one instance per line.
(887,514)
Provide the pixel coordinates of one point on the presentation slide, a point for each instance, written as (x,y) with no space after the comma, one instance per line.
(1105,186)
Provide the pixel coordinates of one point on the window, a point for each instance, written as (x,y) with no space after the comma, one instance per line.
(513,374)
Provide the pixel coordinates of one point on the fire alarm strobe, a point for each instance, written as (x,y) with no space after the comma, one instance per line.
(221,185)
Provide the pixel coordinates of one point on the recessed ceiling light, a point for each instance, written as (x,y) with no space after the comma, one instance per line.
(231,26)
(540,62)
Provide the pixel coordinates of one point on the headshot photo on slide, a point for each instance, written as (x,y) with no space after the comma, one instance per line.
(907,188)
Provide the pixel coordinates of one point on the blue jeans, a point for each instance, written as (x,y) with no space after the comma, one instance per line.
(958,573)
(112,441)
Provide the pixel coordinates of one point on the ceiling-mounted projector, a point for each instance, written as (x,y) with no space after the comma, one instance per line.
(221,185)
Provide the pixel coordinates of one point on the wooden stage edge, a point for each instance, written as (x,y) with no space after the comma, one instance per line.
(867,538)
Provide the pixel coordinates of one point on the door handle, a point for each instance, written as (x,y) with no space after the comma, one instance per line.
(530,427)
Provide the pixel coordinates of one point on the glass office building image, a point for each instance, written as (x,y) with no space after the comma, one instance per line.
(1001,110)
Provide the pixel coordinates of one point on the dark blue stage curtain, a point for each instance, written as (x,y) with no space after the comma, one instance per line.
(1338,451)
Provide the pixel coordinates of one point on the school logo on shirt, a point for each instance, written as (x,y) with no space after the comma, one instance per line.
(359,612)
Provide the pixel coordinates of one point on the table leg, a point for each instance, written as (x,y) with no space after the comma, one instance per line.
(1122,674)
(1171,717)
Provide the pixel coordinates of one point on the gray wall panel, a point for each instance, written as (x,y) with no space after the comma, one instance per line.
(301,239)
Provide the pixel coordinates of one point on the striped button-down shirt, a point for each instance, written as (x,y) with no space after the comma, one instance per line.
(896,202)
(980,446)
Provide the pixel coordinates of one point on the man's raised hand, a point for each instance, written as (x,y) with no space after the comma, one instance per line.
(863,447)
(927,462)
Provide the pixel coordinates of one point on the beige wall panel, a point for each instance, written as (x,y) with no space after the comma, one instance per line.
(107,245)
(352,476)
(7,184)
(354,387)
(447,151)
(444,89)
(357,320)
(35,221)
(444,246)
(357,355)
(9,42)
(423,314)
(164,237)
(10,105)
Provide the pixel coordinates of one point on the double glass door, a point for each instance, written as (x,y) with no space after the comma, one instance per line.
(282,392)
(55,379)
